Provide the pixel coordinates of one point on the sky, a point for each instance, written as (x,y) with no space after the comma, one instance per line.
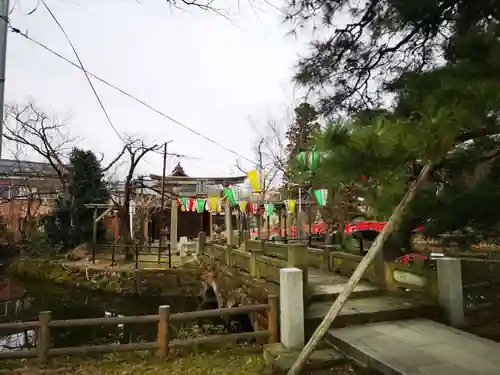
(210,74)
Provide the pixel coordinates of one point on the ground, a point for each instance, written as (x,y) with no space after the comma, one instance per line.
(240,360)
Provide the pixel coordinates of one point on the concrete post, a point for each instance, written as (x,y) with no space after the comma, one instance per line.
(450,291)
(291,308)
(174,216)
(229,222)
(298,258)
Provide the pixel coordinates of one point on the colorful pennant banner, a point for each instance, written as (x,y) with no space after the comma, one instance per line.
(230,195)
(253,176)
(290,206)
(321,196)
(200,205)
(269,207)
(213,204)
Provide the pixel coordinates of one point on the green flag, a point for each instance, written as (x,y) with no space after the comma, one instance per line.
(268,207)
(200,205)
(321,196)
(230,195)
(184,202)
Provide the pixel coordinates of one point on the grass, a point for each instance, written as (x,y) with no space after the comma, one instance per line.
(242,360)
(234,360)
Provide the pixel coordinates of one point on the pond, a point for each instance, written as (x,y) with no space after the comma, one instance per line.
(23,300)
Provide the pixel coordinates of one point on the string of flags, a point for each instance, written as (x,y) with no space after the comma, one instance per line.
(214,204)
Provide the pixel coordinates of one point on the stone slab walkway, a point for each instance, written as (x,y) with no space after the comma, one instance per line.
(417,347)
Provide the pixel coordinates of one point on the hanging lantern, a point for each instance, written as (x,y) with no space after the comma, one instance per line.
(308,161)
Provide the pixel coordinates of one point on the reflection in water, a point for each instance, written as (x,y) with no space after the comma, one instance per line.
(23,302)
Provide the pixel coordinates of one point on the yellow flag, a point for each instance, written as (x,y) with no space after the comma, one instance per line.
(243,206)
(291,208)
(213,204)
(253,176)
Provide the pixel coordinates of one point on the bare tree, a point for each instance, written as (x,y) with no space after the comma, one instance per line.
(31,129)
(270,158)
(136,150)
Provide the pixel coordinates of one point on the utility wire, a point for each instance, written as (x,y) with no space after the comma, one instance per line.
(83,69)
(17,31)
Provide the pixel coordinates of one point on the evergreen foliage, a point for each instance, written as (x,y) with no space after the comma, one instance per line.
(439,62)
(69,226)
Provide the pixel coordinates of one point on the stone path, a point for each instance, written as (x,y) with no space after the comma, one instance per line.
(417,347)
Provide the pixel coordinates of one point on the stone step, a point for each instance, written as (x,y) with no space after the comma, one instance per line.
(329,292)
(370,309)
(280,359)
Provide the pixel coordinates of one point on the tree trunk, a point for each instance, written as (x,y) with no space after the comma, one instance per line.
(125,232)
(375,249)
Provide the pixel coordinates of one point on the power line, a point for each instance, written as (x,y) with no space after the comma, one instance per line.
(83,69)
(102,80)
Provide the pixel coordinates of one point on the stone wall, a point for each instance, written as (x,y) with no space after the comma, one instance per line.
(171,283)
(233,288)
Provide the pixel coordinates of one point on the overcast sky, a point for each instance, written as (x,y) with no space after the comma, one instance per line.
(206,72)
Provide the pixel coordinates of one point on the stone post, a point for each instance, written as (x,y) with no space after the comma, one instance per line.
(291,308)
(450,291)
(229,222)
(298,258)
(227,259)
(174,216)
(244,241)
(183,242)
(200,248)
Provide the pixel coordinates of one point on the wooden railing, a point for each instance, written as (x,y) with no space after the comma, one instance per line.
(162,345)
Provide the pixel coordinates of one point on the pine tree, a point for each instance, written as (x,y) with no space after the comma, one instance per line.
(446,110)
(301,133)
(67,227)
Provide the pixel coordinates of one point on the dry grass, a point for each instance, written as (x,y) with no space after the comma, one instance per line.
(244,360)
(235,360)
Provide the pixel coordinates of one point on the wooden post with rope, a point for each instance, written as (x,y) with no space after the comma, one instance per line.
(375,249)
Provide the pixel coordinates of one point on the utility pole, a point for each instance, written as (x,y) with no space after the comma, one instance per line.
(163,202)
(4,27)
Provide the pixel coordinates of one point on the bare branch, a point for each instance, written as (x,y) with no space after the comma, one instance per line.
(31,129)
(115,160)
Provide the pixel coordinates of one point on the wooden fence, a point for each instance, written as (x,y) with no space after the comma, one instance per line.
(162,345)
(142,254)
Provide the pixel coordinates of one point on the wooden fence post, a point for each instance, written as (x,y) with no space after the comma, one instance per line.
(44,339)
(272,318)
(163,322)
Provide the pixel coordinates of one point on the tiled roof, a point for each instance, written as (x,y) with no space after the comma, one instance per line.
(11,167)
